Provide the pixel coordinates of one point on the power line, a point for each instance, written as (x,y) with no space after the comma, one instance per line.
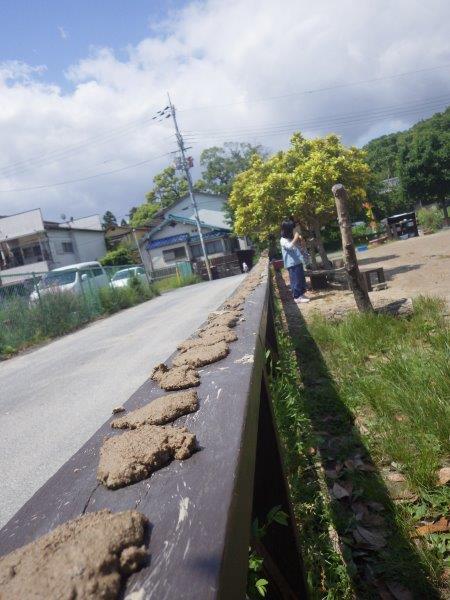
(404,106)
(49,185)
(316,90)
(26,164)
(337,124)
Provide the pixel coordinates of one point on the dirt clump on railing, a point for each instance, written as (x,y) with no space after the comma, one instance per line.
(160,411)
(175,378)
(202,355)
(208,338)
(86,558)
(135,454)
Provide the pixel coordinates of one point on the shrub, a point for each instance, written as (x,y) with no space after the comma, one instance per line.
(430,219)
(118,257)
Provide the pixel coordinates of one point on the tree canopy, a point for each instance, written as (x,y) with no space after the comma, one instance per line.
(221,164)
(419,157)
(297,182)
(109,220)
(168,187)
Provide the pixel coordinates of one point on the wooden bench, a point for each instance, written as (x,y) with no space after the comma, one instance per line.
(367,275)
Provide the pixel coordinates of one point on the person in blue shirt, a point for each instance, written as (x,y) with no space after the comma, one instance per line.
(293,260)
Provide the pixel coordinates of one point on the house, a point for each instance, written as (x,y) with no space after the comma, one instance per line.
(30,244)
(117,234)
(174,236)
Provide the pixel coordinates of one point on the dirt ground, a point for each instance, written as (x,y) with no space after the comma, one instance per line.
(413,267)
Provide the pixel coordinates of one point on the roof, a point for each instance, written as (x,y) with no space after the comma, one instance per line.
(63,227)
(91,263)
(168,241)
(183,238)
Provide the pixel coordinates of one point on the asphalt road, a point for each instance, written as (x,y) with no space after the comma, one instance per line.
(54,398)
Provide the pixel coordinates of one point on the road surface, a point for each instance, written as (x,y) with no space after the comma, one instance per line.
(54,398)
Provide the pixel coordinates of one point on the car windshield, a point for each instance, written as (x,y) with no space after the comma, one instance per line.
(57,278)
(122,275)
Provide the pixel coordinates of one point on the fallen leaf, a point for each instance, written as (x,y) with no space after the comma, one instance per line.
(117,409)
(399,591)
(440,526)
(375,506)
(396,477)
(339,492)
(349,464)
(373,520)
(444,475)
(373,540)
(331,473)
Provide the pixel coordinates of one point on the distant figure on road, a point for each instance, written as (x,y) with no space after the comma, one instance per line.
(293,260)
(245,267)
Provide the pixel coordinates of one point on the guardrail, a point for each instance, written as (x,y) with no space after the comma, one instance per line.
(200,509)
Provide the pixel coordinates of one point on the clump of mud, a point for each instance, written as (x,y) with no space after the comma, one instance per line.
(226,318)
(202,355)
(175,378)
(160,411)
(208,338)
(86,559)
(135,454)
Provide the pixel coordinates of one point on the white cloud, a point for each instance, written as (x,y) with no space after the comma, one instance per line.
(230,56)
(64,34)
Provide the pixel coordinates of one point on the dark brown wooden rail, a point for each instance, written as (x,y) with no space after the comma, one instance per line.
(200,509)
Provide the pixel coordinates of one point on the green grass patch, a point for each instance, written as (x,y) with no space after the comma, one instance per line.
(23,324)
(392,375)
(172,283)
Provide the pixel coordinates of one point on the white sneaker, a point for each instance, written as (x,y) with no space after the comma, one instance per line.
(302,300)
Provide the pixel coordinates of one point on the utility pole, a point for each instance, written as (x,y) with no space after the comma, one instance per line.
(191,187)
(351,262)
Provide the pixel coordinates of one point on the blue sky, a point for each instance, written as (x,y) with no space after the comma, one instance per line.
(58,33)
(76,135)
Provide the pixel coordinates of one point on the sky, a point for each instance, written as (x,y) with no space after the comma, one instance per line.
(81,81)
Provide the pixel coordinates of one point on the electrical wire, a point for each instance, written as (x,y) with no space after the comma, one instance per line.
(316,90)
(50,185)
(19,167)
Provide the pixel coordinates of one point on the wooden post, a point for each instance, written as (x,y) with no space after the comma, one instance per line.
(351,262)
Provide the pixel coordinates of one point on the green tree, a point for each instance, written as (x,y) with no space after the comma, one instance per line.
(168,187)
(298,183)
(143,214)
(221,164)
(424,158)
(122,255)
(109,220)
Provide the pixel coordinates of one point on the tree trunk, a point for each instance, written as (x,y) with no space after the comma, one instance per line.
(320,247)
(312,252)
(445,211)
(351,263)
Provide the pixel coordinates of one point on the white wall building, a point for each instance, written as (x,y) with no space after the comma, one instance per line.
(30,244)
(175,238)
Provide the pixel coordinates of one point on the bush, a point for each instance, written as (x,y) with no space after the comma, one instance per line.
(430,219)
(118,257)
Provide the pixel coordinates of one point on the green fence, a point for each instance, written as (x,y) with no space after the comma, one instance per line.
(38,306)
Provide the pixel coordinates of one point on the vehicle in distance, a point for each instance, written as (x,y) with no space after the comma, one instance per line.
(72,278)
(124,276)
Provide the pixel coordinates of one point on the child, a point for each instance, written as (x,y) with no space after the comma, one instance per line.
(293,260)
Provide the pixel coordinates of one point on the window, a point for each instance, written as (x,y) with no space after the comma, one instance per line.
(174,254)
(213,247)
(67,247)
(57,278)
(97,271)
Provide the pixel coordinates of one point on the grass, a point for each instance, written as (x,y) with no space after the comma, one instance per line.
(391,376)
(23,324)
(172,283)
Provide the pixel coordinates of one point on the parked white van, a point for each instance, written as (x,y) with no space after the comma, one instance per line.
(72,278)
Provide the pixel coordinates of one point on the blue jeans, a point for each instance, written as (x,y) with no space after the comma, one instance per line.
(298,281)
